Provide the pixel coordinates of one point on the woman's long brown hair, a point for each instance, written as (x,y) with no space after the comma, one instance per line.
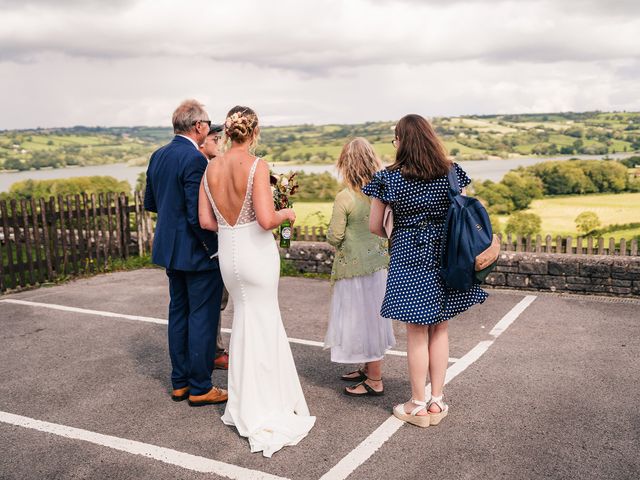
(421,155)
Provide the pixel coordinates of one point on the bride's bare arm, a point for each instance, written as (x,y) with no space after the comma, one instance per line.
(266,214)
(205,212)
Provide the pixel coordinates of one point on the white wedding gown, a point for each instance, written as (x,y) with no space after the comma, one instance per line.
(266,403)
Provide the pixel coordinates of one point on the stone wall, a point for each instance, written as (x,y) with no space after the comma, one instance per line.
(586,274)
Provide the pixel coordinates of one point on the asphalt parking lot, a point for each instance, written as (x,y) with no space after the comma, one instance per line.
(539,386)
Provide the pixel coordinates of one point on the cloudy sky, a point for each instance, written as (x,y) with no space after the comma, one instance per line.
(130,62)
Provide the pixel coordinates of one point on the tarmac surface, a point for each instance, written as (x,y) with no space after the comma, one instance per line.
(539,386)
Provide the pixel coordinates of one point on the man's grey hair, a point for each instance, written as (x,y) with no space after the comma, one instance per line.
(187,114)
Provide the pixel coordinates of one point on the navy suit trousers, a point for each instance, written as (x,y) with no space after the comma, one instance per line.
(194,312)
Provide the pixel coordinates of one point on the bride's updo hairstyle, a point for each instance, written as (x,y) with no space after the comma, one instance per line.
(240,125)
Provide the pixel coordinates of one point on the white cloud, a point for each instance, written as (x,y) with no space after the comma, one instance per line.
(74,62)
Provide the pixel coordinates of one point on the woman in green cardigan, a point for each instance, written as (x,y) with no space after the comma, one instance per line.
(357,334)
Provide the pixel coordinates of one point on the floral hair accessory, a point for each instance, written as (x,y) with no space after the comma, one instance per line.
(233,119)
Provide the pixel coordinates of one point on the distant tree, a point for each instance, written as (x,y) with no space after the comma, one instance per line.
(316,187)
(523,188)
(576,132)
(631,162)
(496,195)
(28,189)
(566,150)
(455,151)
(496,225)
(587,222)
(523,223)
(14,163)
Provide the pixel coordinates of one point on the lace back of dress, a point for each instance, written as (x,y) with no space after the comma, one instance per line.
(247,212)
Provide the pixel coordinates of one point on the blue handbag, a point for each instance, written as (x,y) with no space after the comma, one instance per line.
(467,236)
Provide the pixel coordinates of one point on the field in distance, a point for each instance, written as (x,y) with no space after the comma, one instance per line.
(558,213)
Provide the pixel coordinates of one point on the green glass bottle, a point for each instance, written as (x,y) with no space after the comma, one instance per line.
(285,234)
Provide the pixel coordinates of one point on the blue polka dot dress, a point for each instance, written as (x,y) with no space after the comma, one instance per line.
(415,292)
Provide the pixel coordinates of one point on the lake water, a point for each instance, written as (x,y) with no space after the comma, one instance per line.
(477,170)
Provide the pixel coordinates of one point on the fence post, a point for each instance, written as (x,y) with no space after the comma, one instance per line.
(612,246)
(589,245)
(112,240)
(558,244)
(47,240)
(27,241)
(26,234)
(579,246)
(548,248)
(20,264)
(124,222)
(538,244)
(82,251)
(7,238)
(105,225)
(138,221)
(148,225)
(96,230)
(569,246)
(601,246)
(72,236)
(118,218)
(634,247)
(37,243)
(88,231)
(623,247)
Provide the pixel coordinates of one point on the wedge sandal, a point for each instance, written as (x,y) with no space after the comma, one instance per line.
(413,418)
(436,417)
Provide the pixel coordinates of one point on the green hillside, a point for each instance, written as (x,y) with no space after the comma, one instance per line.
(466,138)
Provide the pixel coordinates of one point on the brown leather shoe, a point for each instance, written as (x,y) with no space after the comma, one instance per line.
(222,361)
(215,395)
(180,394)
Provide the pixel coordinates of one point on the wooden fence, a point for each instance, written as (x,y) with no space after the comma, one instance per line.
(44,240)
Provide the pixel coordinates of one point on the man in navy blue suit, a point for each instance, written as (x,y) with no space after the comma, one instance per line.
(189,255)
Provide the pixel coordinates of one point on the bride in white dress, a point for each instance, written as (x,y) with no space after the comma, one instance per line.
(266,403)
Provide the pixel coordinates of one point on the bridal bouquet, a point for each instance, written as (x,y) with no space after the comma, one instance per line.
(283,187)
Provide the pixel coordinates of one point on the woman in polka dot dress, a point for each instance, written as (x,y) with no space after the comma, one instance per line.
(415,187)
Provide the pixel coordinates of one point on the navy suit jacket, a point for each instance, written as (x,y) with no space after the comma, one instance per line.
(173,184)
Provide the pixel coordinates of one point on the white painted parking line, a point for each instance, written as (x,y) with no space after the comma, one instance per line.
(514,313)
(100,313)
(160,321)
(373,442)
(166,455)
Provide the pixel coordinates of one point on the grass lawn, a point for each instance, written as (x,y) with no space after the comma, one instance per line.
(312,214)
(558,213)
